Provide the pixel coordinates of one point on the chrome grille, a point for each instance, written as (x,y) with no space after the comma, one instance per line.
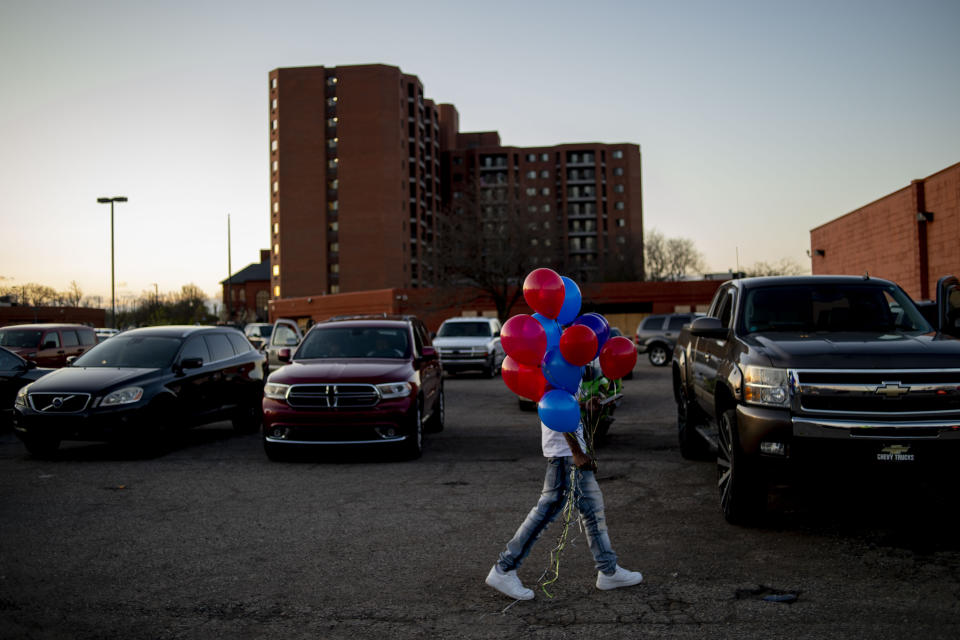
(332,396)
(881,392)
(59,402)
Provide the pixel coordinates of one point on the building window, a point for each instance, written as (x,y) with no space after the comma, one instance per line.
(273,105)
(335,267)
(332,101)
(621,240)
(273,145)
(332,81)
(531,174)
(276,249)
(333,163)
(618,188)
(531,191)
(276,207)
(332,143)
(531,157)
(276,269)
(333,205)
(276,227)
(273,83)
(618,171)
(334,288)
(545,191)
(274,124)
(544,156)
(276,165)
(621,222)
(332,122)
(276,291)
(544,174)
(546,208)
(619,206)
(617,154)
(276,186)
(334,226)
(334,247)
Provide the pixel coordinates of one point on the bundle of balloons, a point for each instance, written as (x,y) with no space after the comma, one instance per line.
(546,351)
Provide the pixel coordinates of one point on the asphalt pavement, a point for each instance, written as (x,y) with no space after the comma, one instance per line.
(211,539)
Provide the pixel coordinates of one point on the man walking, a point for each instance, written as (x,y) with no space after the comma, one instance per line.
(566,459)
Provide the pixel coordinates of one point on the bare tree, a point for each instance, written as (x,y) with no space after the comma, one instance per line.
(492,240)
(670,258)
(73,295)
(783,267)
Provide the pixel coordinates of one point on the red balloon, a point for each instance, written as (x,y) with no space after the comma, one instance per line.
(524,380)
(618,357)
(578,344)
(544,292)
(524,339)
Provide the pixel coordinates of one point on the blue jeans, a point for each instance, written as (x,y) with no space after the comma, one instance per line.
(589,502)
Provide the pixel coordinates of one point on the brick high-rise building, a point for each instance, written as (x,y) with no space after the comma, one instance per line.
(356,159)
(354,174)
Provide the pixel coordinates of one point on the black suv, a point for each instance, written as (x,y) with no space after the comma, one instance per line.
(140,385)
(657,335)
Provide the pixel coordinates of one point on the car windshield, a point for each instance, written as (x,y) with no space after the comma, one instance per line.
(148,352)
(262,331)
(464,330)
(831,307)
(20,337)
(354,342)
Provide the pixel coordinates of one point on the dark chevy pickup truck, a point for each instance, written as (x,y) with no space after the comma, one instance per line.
(816,370)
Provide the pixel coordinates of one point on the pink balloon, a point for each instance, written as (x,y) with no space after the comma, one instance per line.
(524,339)
(578,344)
(524,380)
(618,357)
(544,291)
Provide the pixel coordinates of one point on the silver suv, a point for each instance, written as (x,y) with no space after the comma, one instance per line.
(657,335)
(470,343)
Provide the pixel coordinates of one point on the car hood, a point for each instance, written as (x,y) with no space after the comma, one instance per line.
(454,343)
(371,370)
(88,379)
(857,350)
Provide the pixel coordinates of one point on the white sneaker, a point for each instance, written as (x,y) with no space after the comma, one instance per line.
(619,578)
(508,584)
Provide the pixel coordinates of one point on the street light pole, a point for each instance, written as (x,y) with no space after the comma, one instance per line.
(113,289)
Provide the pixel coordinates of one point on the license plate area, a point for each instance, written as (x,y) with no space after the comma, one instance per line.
(896,453)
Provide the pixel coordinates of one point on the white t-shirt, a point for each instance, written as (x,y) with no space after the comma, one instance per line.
(555,444)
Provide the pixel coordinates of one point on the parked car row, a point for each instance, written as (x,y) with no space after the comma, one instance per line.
(358,380)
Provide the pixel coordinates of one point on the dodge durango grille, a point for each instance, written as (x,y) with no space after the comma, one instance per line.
(332,396)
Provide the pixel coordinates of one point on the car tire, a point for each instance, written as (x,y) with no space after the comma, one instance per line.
(248,419)
(412,447)
(742,488)
(692,445)
(41,446)
(435,422)
(658,354)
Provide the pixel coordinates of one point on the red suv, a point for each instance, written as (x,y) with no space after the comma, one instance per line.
(357,380)
(49,345)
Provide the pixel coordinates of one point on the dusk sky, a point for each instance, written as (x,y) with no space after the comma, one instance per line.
(757,120)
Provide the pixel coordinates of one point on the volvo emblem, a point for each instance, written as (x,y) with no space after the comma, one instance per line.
(892,389)
(57,403)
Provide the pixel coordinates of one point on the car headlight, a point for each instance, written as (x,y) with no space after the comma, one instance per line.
(766,386)
(21,400)
(394,390)
(276,391)
(122,396)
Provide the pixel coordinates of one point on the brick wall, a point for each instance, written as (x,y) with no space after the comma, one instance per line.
(886,239)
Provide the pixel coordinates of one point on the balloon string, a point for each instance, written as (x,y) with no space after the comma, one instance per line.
(552,573)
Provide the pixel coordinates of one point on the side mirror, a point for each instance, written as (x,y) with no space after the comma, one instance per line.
(283,355)
(429,353)
(707,327)
(191,363)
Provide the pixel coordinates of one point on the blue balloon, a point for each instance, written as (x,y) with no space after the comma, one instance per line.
(599,325)
(560,373)
(571,301)
(559,410)
(552,329)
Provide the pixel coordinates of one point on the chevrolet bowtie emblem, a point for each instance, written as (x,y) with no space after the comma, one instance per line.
(892,390)
(895,449)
